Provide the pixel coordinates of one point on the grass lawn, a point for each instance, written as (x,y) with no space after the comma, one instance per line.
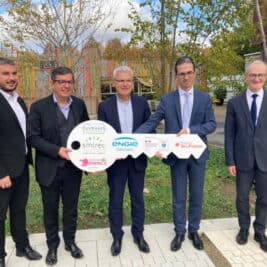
(94,196)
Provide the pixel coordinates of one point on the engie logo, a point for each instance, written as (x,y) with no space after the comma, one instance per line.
(125,142)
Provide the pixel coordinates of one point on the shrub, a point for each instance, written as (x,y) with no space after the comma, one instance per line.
(220,92)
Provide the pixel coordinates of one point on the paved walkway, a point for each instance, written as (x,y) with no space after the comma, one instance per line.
(96,247)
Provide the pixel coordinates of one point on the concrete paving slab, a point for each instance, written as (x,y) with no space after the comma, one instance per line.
(96,243)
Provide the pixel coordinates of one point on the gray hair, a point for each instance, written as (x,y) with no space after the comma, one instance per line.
(255,63)
(122,69)
(6,61)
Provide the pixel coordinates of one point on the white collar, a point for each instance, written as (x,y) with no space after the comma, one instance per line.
(259,93)
(8,96)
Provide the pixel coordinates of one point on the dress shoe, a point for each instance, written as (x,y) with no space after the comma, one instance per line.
(142,244)
(74,250)
(2,262)
(116,247)
(242,236)
(177,242)
(262,239)
(28,253)
(51,257)
(197,242)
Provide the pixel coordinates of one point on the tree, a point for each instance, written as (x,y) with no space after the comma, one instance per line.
(183,27)
(225,55)
(114,50)
(156,36)
(64,25)
(261,25)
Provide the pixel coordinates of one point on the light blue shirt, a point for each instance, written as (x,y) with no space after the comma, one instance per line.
(66,109)
(125,112)
(183,98)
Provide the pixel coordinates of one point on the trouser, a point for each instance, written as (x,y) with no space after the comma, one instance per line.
(195,172)
(66,186)
(244,182)
(15,198)
(117,179)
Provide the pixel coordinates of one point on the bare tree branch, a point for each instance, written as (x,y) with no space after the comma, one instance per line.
(64,26)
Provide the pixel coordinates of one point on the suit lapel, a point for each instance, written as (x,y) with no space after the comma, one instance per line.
(245,108)
(52,114)
(194,107)
(263,109)
(9,109)
(74,110)
(135,112)
(177,105)
(114,107)
(22,104)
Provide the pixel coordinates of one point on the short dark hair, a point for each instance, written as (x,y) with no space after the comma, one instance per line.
(6,61)
(61,71)
(183,60)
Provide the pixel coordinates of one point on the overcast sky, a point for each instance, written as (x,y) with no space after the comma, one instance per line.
(119,18)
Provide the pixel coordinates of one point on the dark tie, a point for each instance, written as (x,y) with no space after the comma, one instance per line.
(253,110)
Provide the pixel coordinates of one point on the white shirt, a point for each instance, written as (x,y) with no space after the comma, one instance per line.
(259,99)
(12,100)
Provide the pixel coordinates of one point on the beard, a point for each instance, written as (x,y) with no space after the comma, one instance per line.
(8,90)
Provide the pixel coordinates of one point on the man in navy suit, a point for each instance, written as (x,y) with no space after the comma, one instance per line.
(51,120)
(15,157)
(185,111)
(246,151)
(125,112)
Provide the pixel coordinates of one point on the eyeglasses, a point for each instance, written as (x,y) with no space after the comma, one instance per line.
(183,74)
(124,81)
(64,82)
(254,75)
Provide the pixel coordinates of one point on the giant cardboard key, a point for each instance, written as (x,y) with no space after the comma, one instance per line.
(95,145)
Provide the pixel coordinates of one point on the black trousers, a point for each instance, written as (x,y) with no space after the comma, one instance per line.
(117,179)
(66,186)
(243,185)
(15,198)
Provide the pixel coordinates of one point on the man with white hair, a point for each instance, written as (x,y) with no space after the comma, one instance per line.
(125,112)
(246,150)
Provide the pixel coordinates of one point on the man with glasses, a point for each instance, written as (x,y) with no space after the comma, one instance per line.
(50,121)
(246,150)
(125,112)
(185,111)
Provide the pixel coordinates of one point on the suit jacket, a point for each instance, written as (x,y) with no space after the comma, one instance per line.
(44,135)
(243,144)
(12,141)
(202,120)
(108,112)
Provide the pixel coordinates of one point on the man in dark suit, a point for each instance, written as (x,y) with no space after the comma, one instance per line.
(185,111)
(125,112)
(15,156)
(51,119)
(246,151)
